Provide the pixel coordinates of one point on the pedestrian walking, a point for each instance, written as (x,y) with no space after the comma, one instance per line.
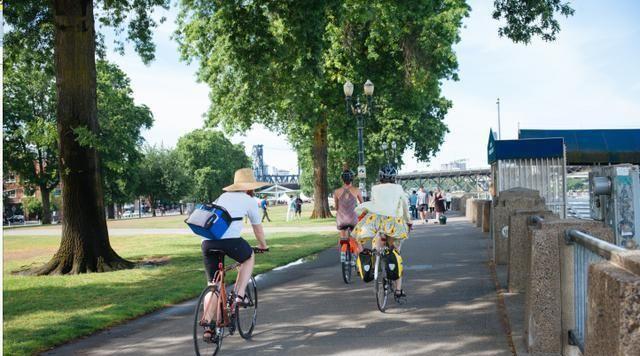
(438,199)
(432,203)
(422,203)
(265,213)
(447,200)
(413,201)
(291,209)
(298,207)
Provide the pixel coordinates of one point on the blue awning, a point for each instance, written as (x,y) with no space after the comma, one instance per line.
(524,149)
(587,147)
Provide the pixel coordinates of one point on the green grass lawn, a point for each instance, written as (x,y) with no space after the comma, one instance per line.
(41,312)
(277,214)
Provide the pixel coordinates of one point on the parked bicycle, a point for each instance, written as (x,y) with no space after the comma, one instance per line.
(210,321)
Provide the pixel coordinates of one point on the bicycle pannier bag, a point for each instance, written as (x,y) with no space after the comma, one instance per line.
(210,221)
(393,265)
(365,265)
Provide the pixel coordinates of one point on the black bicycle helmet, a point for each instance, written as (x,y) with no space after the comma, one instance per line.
(388,173)
(347,176)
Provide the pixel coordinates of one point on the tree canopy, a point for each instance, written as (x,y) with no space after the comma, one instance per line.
(120,138)
(211,161)
(283,64)
(29,124)
(162,177)
(527,19)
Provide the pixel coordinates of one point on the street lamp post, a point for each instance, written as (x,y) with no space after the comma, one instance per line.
(359,111)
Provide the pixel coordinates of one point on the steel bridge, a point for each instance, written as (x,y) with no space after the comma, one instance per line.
(469,180)
(279,179)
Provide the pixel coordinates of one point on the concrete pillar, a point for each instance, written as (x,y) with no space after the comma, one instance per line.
(486,216)
(468,203)
(613,322)
(544,330)
(478,204)
(519,247)
(463,202)
(503,206)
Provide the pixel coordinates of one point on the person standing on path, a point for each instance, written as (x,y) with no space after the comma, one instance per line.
(447,200)
(422,203)
(345,199)
(265,214)
(413,201)
(431,202)
(438,199)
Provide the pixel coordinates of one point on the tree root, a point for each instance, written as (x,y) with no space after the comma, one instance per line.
(60,265)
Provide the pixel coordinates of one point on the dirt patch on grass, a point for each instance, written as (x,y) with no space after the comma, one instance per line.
(154,261)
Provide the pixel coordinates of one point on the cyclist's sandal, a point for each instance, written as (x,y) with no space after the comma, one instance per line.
(400,294)
(243,301)
(208,334)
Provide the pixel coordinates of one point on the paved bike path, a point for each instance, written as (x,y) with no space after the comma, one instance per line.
(308,310)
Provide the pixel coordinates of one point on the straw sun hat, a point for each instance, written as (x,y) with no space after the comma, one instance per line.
(244,180)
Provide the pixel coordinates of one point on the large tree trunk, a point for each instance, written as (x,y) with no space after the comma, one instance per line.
(111,211)
(46,205)
(152,206)
(320,183)
(85,243)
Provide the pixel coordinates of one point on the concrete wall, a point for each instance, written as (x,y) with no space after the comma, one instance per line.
(519,247)
(545,332)
(613,324)
(478,204)
(503,206)
(470,212)
(486,216)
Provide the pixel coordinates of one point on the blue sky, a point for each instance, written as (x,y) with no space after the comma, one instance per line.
(588,78)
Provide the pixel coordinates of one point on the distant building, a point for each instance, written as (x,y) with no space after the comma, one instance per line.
(12,193)
(457,165)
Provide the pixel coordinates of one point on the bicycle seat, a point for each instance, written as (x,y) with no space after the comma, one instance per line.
(213,251)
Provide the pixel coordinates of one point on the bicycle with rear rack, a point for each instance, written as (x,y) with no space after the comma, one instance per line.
(348,255)
(384,285)
(211,319)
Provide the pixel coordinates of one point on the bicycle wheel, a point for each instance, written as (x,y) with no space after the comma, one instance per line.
(347,268)
(246,315)
(381,287)
(210,346)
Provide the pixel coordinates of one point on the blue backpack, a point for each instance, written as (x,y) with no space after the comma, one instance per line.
(210,221)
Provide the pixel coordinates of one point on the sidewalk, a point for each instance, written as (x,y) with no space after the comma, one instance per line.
(307,309)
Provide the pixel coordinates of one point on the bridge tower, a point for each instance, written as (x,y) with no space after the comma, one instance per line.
(258,162)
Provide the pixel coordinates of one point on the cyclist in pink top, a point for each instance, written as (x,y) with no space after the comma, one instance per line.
(346,198)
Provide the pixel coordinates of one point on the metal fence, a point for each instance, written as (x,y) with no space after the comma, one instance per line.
(546,175)
(588,250)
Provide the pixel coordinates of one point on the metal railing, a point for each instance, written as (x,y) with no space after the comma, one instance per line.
(588,250)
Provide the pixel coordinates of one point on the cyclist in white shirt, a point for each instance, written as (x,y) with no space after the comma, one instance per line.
(239,202)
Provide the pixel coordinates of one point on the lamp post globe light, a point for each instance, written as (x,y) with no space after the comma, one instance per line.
(357,110)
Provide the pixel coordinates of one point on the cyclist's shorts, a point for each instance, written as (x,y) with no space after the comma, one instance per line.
(373,224)
(237,248)
(346,226)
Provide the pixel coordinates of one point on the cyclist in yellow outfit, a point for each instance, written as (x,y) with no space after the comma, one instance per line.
(387,215)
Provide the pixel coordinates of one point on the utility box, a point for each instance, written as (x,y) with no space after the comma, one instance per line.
(615,199)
